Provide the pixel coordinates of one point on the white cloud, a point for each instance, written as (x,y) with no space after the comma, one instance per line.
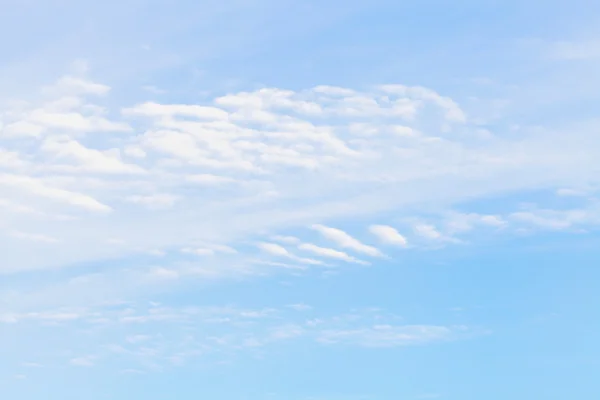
(453,112)
(134,152)
(22,128)
(567,192)
(286,239)
(75,86)
(145,336)
(387,234)
(386,335)
(274,249)
(163,274)
(199,251)
(334,91)
(86,159)
(456,222)
(173,172)
(39,188)
(210,249)
(17,208)
(428,231)
(493,220)
(280,251)
(169,110)
(267,161)
(222,248)
(330,253)
(557,219)
(76,122)
(344,240)
(11,159)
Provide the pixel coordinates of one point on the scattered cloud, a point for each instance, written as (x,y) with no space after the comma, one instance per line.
(146,337)
(280,251)
(456,222)
(155,217)
(388,235)
(204,185)
(85,159)
(344,240)
(207,249)
(330,253)
(557,219)
(428,231)
(274,249)
(286,239)
(42,189)
(567,192)
(386,335)
(269,160)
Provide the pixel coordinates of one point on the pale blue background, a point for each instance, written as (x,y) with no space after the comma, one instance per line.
(533,297)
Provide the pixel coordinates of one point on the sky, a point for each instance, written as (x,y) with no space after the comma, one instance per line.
(299,200)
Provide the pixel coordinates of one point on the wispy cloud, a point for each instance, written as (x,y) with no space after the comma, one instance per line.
(387,234)
(39,188)
(280,251)
(330,253)
(188,197)
(252,168)
(131,332)
(386,335)
(428,231)
(344,240)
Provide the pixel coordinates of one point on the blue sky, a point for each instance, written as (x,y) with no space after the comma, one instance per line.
(299,200)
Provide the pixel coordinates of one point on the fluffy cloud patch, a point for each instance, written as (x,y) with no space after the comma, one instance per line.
(264,161)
